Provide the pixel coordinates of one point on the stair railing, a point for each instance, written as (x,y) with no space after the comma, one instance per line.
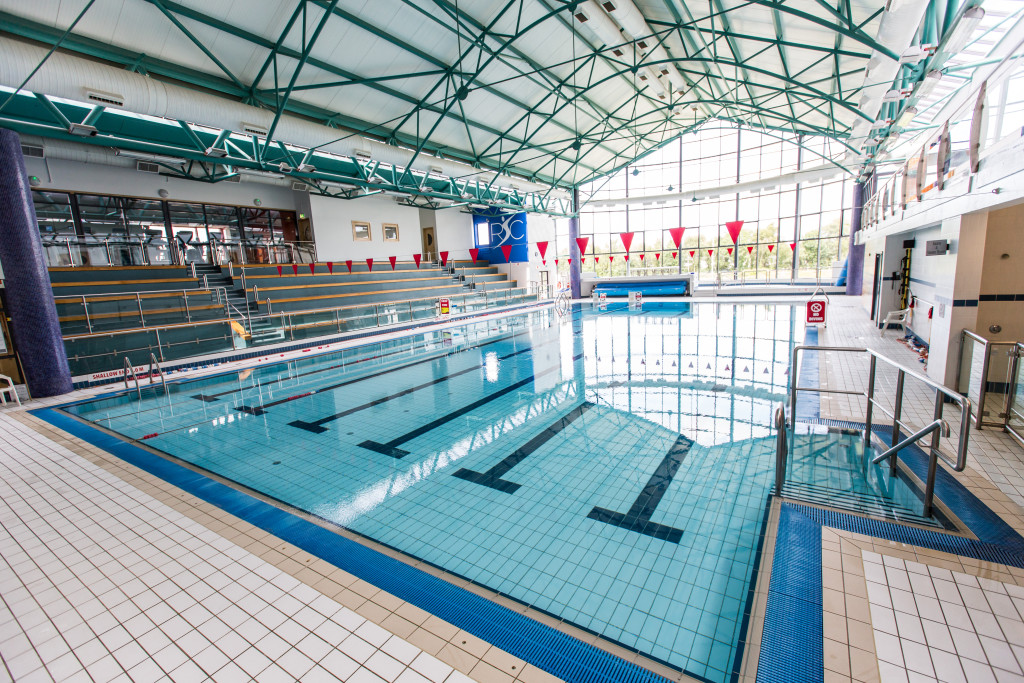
(130,372)
(153,362)
(936,428)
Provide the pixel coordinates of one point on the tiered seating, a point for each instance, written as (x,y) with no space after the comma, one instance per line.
(224,313)
(112,298)
(319,288)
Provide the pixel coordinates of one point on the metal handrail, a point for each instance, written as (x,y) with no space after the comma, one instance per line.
(519,292)
(82,299)
(781,448)
(154,362)
(128,370)
(942,394)
(913,438)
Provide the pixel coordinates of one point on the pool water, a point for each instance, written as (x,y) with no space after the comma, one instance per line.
(609,467)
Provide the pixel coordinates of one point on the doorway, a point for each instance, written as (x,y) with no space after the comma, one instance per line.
(544,282)
(876,288)
(429,245)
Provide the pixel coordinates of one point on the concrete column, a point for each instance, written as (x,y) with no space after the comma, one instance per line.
(855,259)
(574,232)
(30,304)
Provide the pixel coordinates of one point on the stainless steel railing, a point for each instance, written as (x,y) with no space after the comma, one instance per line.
(958,461)
(217,295)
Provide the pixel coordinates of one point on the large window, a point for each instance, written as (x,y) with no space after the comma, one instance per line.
(791,230)
(85,229)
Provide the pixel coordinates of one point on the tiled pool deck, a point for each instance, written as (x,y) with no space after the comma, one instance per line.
(110,573)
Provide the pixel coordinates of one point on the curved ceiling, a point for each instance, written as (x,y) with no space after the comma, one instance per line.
(556,92)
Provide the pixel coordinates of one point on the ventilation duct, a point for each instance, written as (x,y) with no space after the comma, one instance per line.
(143,95)
(632,21)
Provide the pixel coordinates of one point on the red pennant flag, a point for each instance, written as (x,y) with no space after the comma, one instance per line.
(544,261)
(568,261)
(710,252)
(581,242)
(641,257)
(627,239)
(677,235)
(392,259)
(734,228)
(330,267)
(542,247)
(279,273)
(597,259)
(473,253)
(556,262)
(506,250)
(295,269)
(694,251)
(730,251)
(312,268)
(771,248)
(792,245)
(416,258)
(657,257)
(674,254)
(369,264)
(583,260)
(444,258)
(349,264)
(750,250)
(626,257)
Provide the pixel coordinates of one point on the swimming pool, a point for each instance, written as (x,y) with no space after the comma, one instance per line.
(610,467)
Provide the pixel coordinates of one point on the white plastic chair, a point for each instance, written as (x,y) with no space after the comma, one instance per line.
(9,390)
(895,318)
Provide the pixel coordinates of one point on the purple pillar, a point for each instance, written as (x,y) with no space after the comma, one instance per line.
(855,260)
(30,304)
(574,232)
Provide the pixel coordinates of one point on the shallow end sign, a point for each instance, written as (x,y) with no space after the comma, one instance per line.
(815,312)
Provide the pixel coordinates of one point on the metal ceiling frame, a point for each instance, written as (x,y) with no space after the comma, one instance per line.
(754,96)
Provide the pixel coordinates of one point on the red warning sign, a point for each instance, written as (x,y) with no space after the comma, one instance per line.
(445,306)
(815,312)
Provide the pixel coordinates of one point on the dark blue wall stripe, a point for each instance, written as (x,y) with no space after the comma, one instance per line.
(542,646)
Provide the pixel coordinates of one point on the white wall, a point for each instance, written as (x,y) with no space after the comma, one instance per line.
(332,221)
(453,230)
(99,178)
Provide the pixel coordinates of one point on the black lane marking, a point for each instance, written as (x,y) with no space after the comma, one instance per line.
(639,516)
(493,476)
(317,426)
(391,447)
(261,409)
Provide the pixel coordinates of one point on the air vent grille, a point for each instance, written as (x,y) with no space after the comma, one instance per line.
(147,167)
(300,187)
(33,151)
(105,98)
(254,129)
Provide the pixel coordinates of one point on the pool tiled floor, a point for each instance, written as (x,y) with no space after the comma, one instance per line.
(107,573)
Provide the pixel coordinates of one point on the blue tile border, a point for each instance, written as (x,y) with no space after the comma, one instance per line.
(542,646)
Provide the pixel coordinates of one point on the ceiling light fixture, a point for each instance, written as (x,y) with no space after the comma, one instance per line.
(957,40)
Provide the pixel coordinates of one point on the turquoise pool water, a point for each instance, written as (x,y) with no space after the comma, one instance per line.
(609,467)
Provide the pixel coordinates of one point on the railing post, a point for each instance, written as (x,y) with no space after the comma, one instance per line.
(869,408)
(71,256)
(376,313)
(159,346)
(184,297)
(142,316)
(106,247)
(982,390)
(85,307)
(192,268)
(897,414)
(337,319)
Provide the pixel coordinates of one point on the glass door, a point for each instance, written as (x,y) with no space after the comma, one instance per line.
(1015,405)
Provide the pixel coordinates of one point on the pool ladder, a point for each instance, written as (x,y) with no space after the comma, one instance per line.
(129,371)
(937,428)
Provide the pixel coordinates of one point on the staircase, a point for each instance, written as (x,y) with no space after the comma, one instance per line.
(240,308)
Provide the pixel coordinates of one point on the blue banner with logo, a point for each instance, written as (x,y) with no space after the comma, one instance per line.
(505,230)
